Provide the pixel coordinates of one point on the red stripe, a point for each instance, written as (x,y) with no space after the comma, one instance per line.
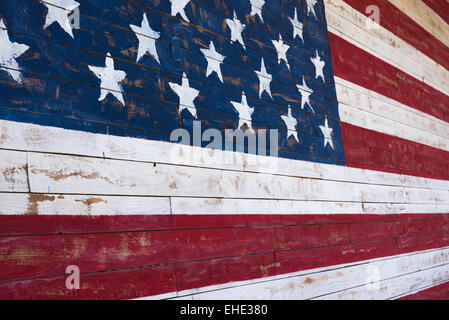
(373,150)
(439,292)
(440,7)
(358,66)
(405,28)
(222,250)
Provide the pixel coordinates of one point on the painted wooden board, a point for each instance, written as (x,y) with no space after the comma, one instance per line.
(354,95)
(426,17)
(96,183)
(350,24)
(74,205)
(41,139)
(404,27)
(63,174)
(312,284)
(14,171)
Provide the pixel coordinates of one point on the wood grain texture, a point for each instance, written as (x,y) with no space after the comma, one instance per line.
(63,174)
(257,252)
(440,7)
(404,27)
(438,292)
(349,24)
(367,109)
(426,17)
(95,185)
(317,282)
(31,137)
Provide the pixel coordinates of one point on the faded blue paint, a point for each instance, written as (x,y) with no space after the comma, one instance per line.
(60,90)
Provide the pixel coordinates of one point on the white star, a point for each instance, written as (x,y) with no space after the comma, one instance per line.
(110,79)
(281,49)
(305,94)
(244,111)
(9,51)
(186,95)
(264,80)
(256,8)
(178,6)
(311,6)
(59,12)
(291,123)
(147,39)
(214,60)
(297,26)
(319,66)
(327,132)
(236,29)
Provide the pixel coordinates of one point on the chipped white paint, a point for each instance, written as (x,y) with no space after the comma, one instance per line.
(236,28)
(79,175)
(281,49)
(291,123)
(256,8)
(319,66)
(186,95)
(305,94)
(110,79)
(327,133)
(59,12)
(37,138)
(9,51)
(264,80)
(178,6)
(214,61)
(423,15)
(147,39)
(79,205)
(13,172)
(245,112)
(297,26)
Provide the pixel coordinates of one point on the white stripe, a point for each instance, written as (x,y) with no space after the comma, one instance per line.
(368,109)
(296,186)
(421,289)
(96,205)
(382,278)
(418,11)
(44,139)
(349,24)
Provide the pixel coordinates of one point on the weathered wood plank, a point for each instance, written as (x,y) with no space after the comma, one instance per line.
(346,22)
(14,171)
(319,282)
(68,174)
(23,136)
(425,17)
(73,205)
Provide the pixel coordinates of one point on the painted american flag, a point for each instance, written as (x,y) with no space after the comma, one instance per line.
(357,206)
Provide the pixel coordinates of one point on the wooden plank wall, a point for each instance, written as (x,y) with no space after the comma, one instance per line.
(159,237)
